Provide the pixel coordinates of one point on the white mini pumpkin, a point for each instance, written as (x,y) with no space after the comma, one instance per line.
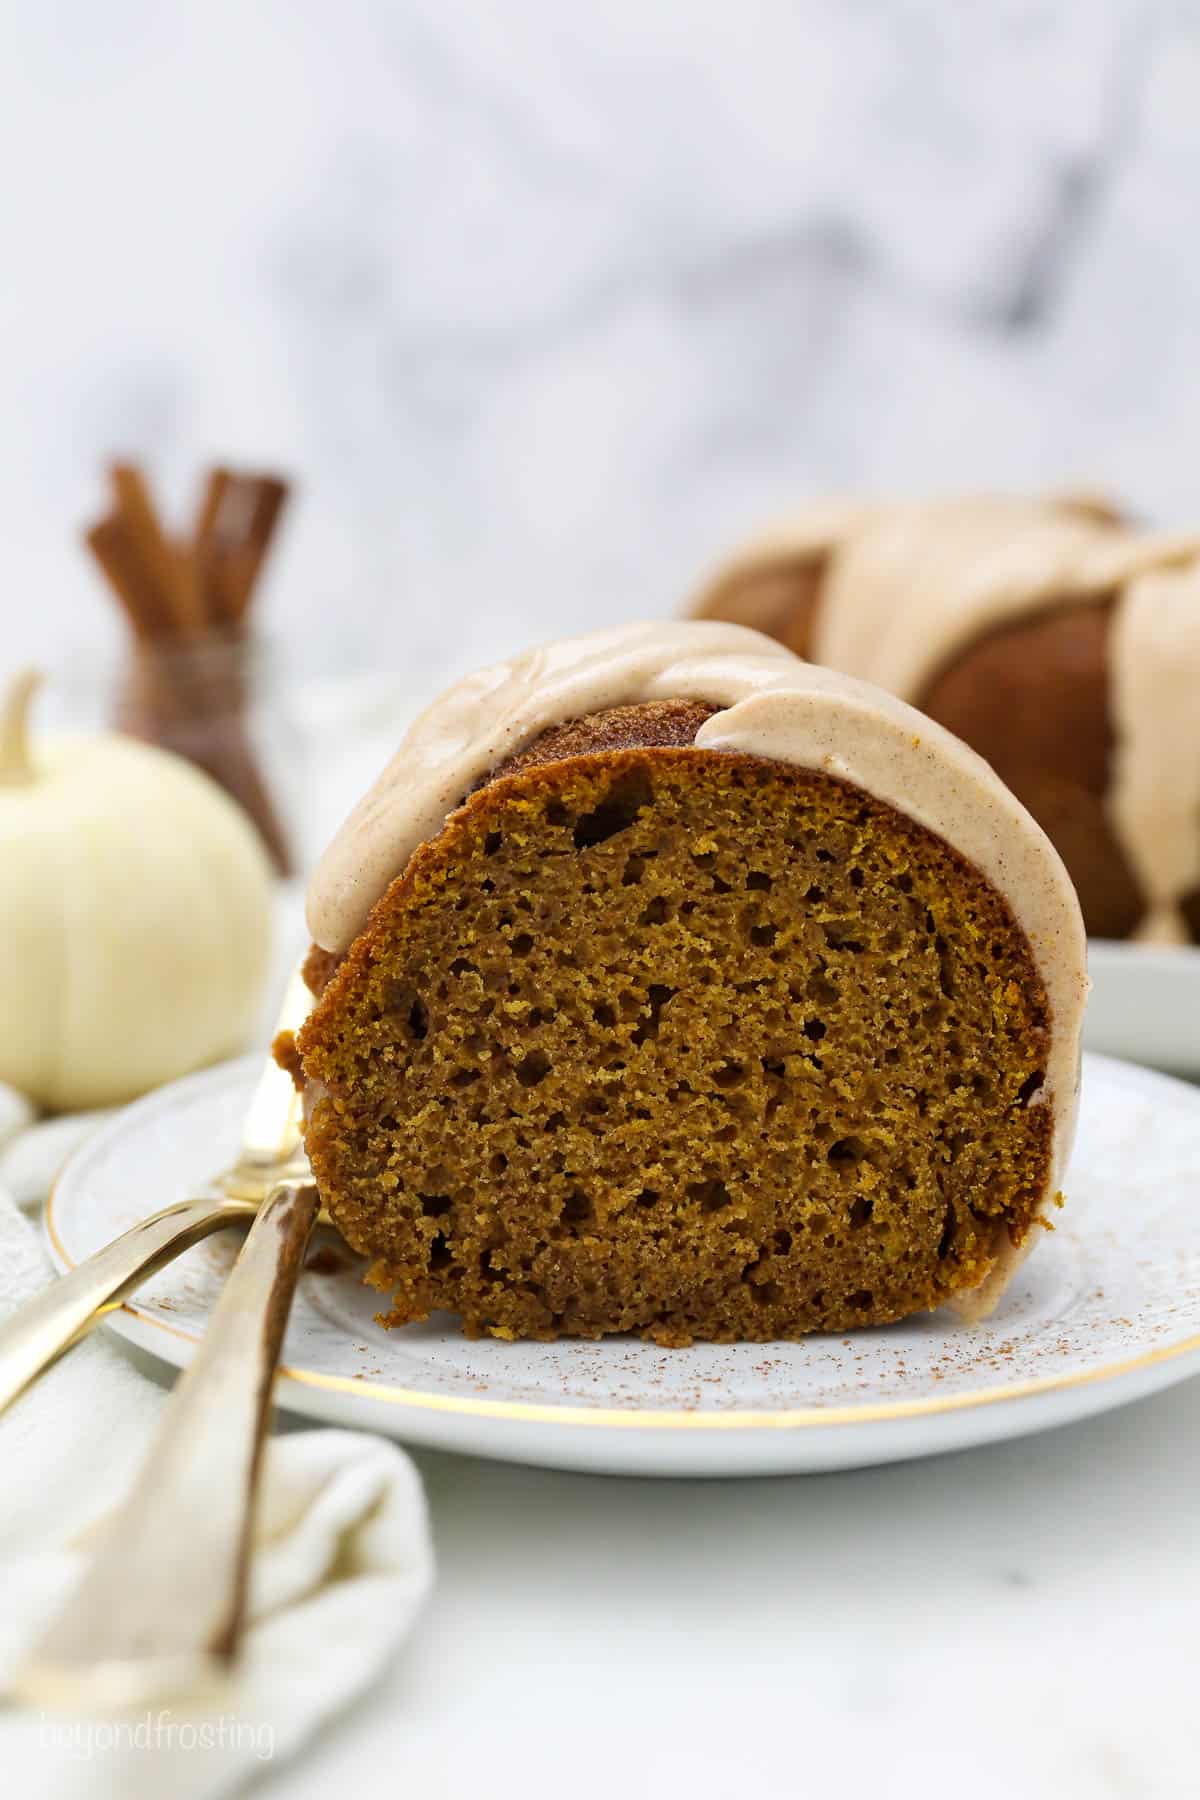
(135,912)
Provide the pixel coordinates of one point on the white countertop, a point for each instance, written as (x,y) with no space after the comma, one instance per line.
(1017,1621)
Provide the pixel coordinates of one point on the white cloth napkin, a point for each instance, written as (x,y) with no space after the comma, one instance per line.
(342,1564)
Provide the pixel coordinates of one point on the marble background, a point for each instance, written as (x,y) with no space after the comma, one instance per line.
(545,304)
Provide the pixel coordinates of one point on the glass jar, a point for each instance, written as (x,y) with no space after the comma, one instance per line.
(221,702)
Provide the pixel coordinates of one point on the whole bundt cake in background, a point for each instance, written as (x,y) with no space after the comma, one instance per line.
(668,984)
(1060,643)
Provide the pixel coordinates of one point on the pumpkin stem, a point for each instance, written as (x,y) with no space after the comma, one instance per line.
(16,767)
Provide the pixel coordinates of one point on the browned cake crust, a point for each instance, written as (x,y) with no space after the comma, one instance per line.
(662,1040)
(780,599)
(1032,698)
(649,725)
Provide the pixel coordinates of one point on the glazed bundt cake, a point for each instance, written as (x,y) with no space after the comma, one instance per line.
(1058,642)
(667,984)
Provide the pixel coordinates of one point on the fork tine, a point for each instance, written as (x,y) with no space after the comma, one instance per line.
(63,1313)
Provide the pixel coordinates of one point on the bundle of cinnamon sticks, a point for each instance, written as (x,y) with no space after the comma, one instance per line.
(187,602)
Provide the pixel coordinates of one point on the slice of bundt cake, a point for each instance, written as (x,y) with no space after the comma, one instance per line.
(668,984)
(1062,644)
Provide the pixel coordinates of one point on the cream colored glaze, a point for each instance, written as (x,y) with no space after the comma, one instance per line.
(810,535)
(910,586)
(771,704)
(906,596)
(1155,699)
(803,541)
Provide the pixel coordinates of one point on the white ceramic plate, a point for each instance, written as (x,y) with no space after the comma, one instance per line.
(1105,1311)
(1145,1004)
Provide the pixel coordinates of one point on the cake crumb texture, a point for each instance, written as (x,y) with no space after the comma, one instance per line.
(661,1040)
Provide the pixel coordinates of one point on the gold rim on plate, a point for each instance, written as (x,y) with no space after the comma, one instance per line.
(642,1418)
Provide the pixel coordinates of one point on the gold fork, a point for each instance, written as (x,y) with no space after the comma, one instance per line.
(161,1609)
(271,1152)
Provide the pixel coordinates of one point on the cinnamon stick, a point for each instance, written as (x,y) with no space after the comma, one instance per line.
(215,489)
(268,501)
(141,598)
(237,521)
(178,593)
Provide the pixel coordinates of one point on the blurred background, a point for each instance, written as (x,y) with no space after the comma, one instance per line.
(544,306)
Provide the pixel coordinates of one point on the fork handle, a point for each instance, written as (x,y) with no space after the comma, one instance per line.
(65,1311)
(160,1611)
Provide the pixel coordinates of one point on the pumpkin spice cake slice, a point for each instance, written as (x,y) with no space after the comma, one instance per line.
(668,984)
